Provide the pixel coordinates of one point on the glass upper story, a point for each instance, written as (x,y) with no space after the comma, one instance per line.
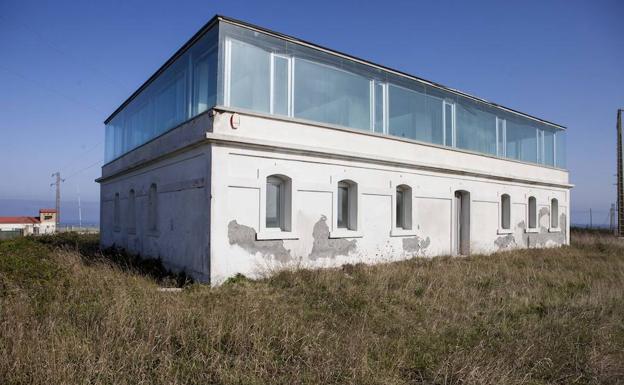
(234,65)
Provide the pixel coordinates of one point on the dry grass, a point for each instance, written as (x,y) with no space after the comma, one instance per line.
(69,314)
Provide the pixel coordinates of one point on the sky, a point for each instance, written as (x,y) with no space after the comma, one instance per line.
(66,65)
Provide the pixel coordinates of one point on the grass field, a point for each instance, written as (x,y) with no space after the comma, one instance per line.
(72,314)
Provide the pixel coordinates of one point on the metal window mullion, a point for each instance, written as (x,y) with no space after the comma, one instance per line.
(454,125)
(505,138)
(290,86)
(271,84)
(292,70)
(372,105)
(555,150)
(386,109)
(498,133)
(189,108)
(227,72)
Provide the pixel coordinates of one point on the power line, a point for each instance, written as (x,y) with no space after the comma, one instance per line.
(52,90)
(73,58)
(99,162)
(82,152)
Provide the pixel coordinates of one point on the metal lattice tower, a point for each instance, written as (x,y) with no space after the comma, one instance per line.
(57,183)
(620,184)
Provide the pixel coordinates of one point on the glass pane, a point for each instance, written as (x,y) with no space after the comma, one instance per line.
(204,82)
(476,127)
(249,77)
(549,147)
(273,204)
(554,214)
(506,212)
(501,137)
(164,103)
(343,206)
(170,103)
(448,124)
(431,129)
(521,140)
(407,110)
(399,209)
(329,95)
(532,213)
(560,144)
(379,108)
(280,85)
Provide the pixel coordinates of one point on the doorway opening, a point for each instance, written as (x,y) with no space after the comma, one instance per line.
(462,223)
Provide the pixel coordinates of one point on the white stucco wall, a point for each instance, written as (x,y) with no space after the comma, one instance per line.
(211,177)
(317,158)
(27,227)
(183,194)
(31,228)
(237,200)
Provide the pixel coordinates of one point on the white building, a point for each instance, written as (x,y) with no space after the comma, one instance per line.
(250,151)
(45,223)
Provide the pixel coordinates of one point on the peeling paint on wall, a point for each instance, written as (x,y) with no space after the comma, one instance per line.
(542,238)
(326,247)
(547,238)
(415,244)
(505,242)
(245,237)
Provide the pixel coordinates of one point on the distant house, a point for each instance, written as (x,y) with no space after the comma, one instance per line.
(45,223)
(250,151)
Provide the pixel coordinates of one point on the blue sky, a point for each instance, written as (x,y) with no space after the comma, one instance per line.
(66,65)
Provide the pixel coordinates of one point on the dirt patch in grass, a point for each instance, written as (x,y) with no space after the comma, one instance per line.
(71,313)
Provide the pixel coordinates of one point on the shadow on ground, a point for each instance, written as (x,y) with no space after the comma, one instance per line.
(90,252)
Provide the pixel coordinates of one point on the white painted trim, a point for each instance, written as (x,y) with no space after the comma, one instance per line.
(345,233)
(315,151)
(274,234)
(397,232)
(336,127)
(502,230)
(287,171)
(335,179)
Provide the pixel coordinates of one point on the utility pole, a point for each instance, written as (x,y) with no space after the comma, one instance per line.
(612,218)
(79,210)
(591,222)
(57,183)
(620,181)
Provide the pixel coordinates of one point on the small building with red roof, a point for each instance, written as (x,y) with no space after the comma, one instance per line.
(44,223)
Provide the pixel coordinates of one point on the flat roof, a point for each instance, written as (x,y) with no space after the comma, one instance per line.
(279,35)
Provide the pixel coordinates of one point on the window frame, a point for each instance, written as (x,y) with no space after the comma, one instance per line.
(290,72)
(131,212)
(501,137)
(353,229)
(408,210)
(501,214)
(152,210)
(288,205)
(384,106)
(453,124)
(117,213)
(300,59)
(534,211)
(551,228)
